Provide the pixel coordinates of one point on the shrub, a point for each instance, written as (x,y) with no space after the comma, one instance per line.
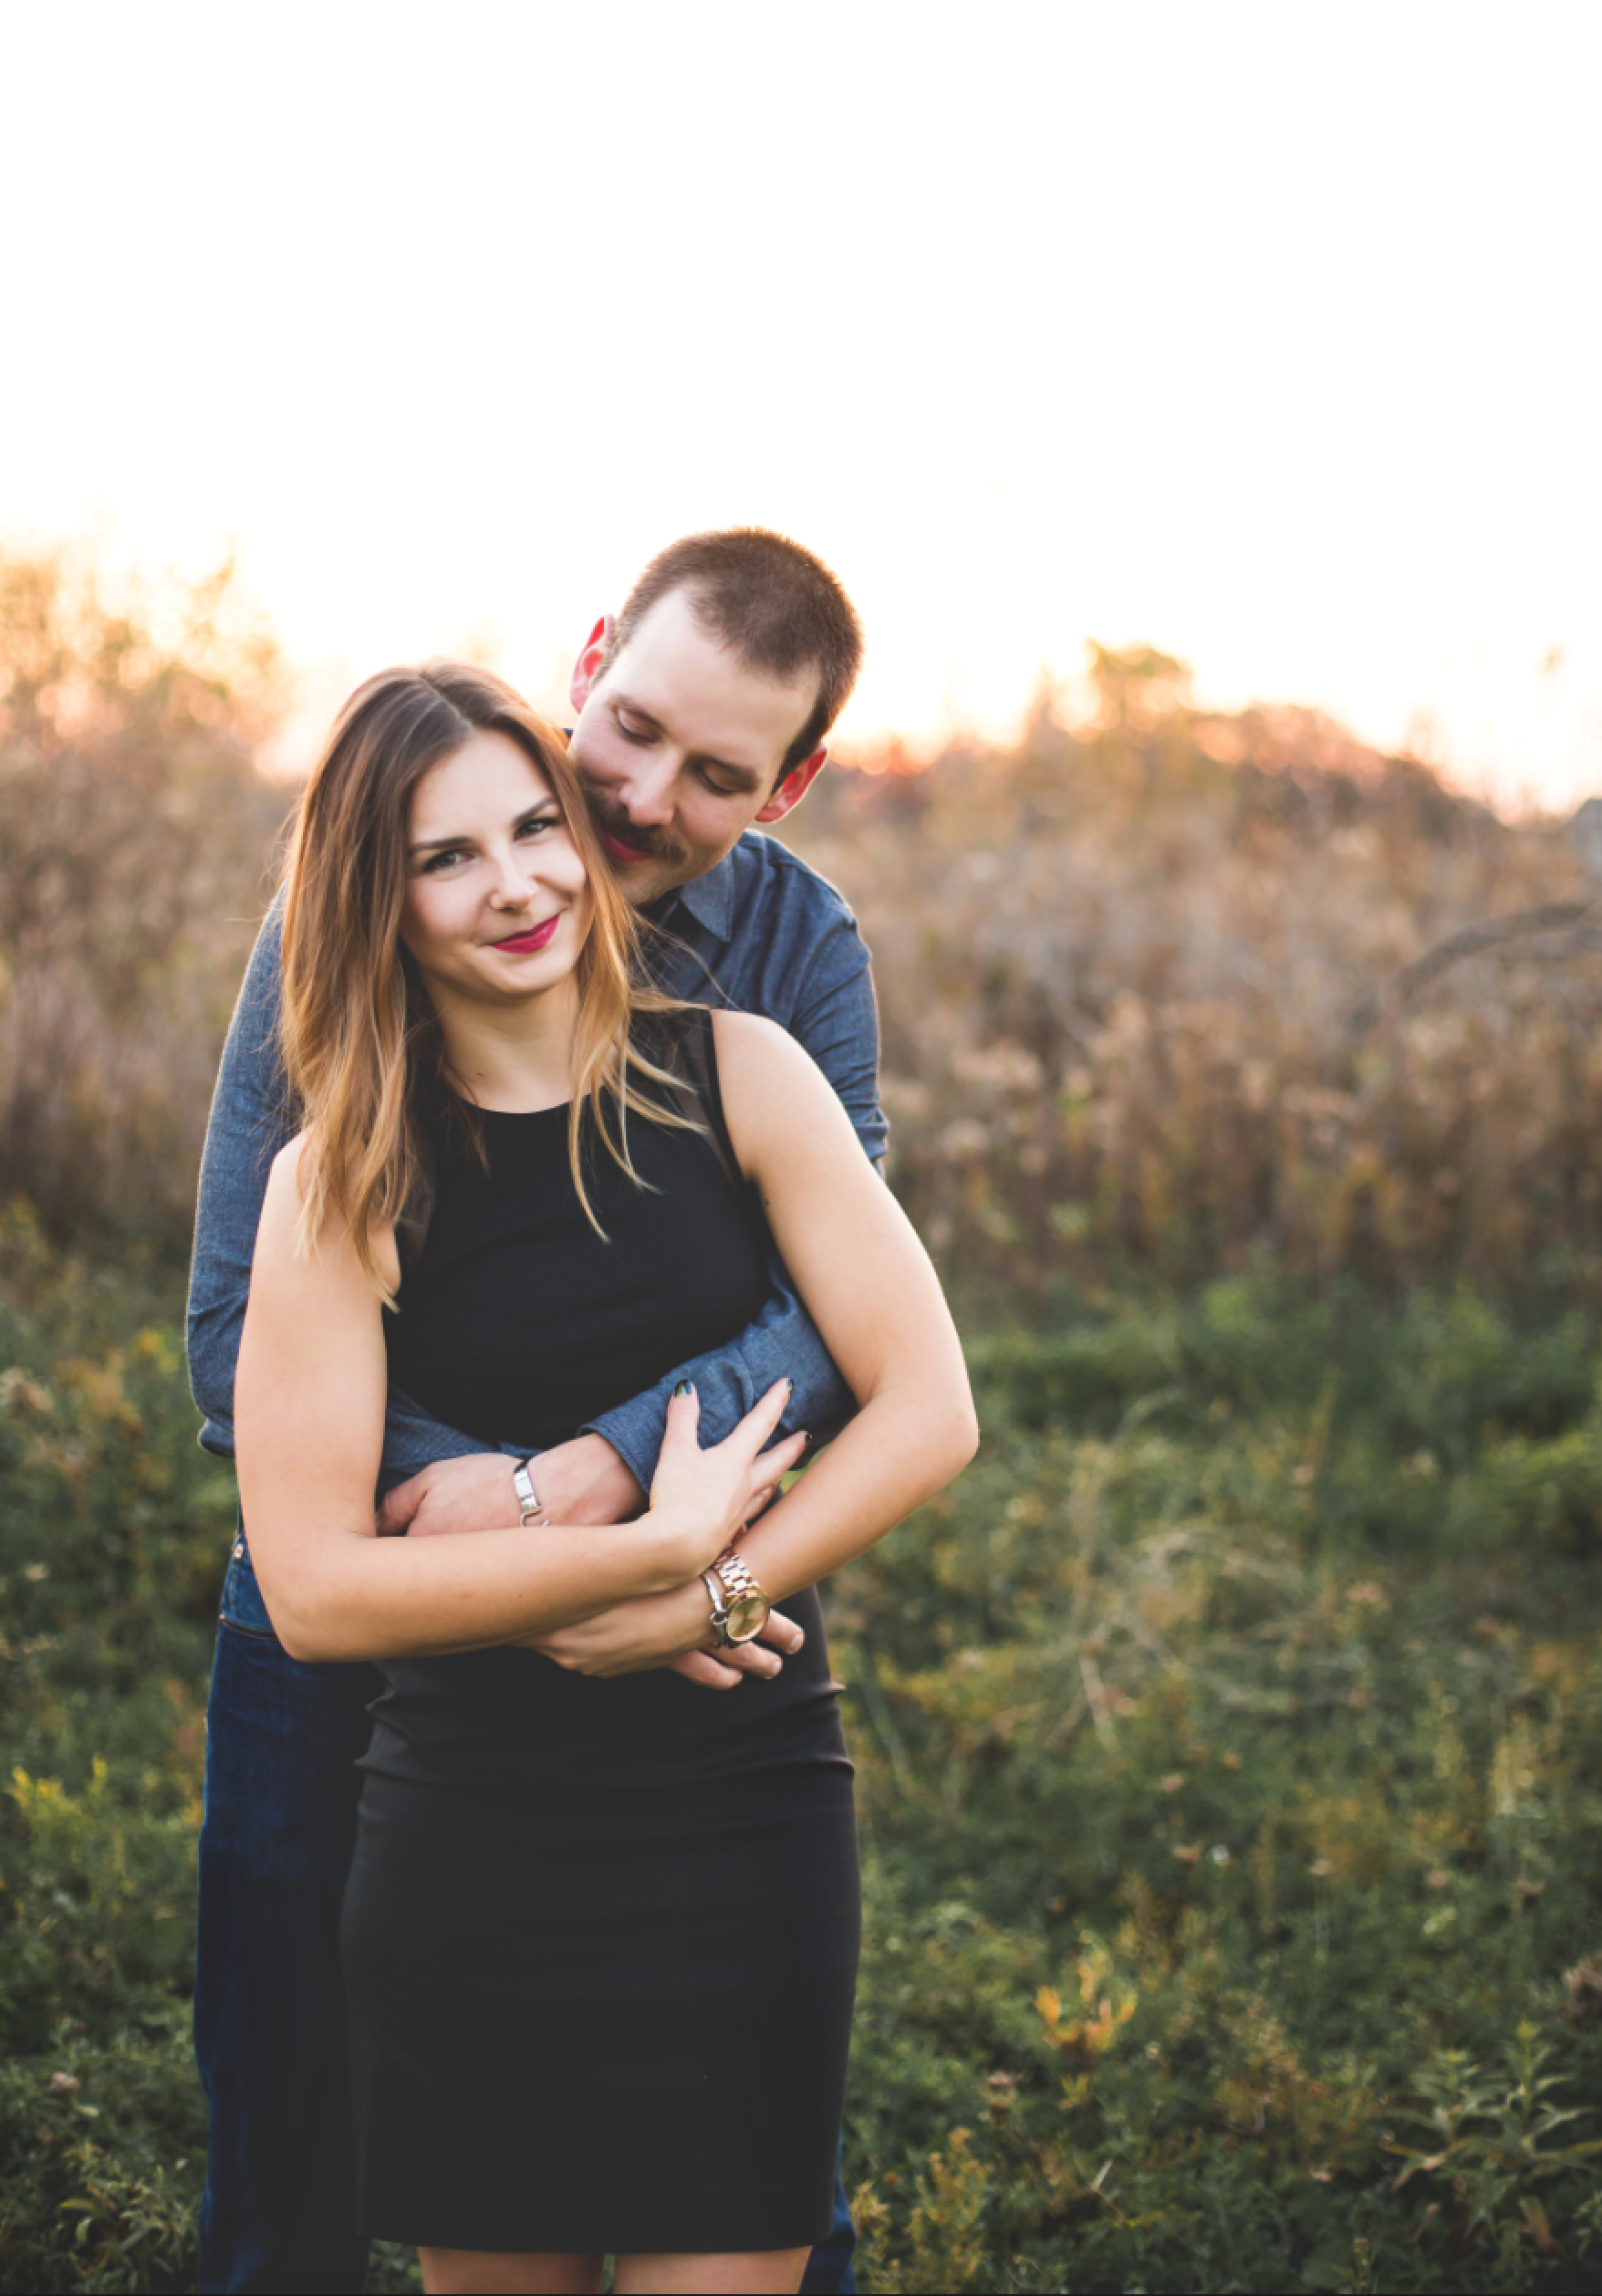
(133,834)
(1160,988)
(1228,1776)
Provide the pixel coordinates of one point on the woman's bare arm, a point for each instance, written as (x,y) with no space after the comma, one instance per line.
(876,1299)
(869,1289)
(310,1415)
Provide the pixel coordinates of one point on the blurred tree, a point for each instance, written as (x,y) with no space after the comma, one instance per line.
(1137,687)
(133,830)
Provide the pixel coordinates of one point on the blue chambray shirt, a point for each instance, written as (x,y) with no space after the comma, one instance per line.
(762,933)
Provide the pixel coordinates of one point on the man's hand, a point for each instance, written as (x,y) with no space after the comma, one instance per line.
(583,1481)
(667,1630)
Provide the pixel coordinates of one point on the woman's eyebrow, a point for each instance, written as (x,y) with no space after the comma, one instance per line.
(442,844)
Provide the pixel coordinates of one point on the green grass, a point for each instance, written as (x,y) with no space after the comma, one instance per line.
(1231,1747)
(1230,1753)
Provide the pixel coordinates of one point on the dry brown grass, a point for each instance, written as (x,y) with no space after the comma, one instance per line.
(133,834)
(1159,987)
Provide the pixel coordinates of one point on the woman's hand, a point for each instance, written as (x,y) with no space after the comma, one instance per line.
(710,1494)
(666,1630)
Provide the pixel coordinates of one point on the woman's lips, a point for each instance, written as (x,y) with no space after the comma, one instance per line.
(619,851)
(537,937)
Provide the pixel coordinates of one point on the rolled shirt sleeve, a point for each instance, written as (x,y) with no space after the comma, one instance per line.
(250,1120)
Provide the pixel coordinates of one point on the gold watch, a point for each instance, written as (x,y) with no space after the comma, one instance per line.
(739,1607)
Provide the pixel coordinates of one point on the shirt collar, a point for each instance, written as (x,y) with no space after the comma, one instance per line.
(710,899)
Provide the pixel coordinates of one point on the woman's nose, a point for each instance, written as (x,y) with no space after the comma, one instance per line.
(514,879)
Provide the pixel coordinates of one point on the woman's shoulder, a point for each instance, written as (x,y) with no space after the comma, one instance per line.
(281,1235)
(287,1176)
(749,1038)
(704,1045)
(772,1088)
(750,1045)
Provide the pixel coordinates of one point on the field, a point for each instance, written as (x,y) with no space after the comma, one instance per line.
(1229,1741)
(1231,1754)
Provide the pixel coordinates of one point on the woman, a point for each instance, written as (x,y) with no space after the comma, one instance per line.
(601,1927)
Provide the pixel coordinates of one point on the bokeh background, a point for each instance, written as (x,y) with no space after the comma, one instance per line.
(1262,334)
(1201,405)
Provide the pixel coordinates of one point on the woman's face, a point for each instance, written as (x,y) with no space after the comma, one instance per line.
(497,901)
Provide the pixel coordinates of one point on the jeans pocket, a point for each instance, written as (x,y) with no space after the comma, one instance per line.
(241,1606)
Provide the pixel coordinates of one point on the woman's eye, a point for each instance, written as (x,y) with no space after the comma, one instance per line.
(537,828)
(437,861)
(640,735)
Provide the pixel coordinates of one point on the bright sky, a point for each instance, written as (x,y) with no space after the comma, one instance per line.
(1265,333)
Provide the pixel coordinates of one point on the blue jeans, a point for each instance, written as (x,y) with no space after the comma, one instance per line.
(269,2013)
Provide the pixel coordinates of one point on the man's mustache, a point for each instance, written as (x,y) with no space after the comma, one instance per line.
(658,843)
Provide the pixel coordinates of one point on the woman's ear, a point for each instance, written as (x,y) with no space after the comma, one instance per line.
(795,786)
(587,667)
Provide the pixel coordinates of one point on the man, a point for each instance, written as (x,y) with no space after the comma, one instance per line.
(703,712)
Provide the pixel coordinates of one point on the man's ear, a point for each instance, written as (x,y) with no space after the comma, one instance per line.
(586,669)
(795,786)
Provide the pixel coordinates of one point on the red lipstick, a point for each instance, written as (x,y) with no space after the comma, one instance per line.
(621,852)
(538,936)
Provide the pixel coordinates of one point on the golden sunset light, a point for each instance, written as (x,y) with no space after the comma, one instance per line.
(1262,335)
(766,1528)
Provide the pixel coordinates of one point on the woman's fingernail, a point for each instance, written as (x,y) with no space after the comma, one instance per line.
(683,1388)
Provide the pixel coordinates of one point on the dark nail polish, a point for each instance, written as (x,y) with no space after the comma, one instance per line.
(683,1388)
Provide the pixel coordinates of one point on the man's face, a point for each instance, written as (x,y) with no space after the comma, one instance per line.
(679,747)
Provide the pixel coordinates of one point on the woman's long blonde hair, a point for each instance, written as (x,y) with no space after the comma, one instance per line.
(362,1046)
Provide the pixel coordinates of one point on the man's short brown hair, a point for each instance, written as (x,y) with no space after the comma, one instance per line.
(772,603)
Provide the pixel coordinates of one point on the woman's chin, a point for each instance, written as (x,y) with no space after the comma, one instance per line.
(518,977)
(484,977)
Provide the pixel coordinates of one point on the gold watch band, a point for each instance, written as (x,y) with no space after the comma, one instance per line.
(744,1610)
(734,1574)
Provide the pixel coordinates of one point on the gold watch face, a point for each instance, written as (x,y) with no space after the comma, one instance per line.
(747,1617)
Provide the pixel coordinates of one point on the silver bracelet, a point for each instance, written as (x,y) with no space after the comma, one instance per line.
(530,1506)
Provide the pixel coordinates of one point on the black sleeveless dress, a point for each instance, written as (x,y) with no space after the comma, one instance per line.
(600,1937)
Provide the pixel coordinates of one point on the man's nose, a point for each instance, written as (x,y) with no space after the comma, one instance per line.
(648,794)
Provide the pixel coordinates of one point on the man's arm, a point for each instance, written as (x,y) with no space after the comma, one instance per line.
(250,1120)
(838,1023)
